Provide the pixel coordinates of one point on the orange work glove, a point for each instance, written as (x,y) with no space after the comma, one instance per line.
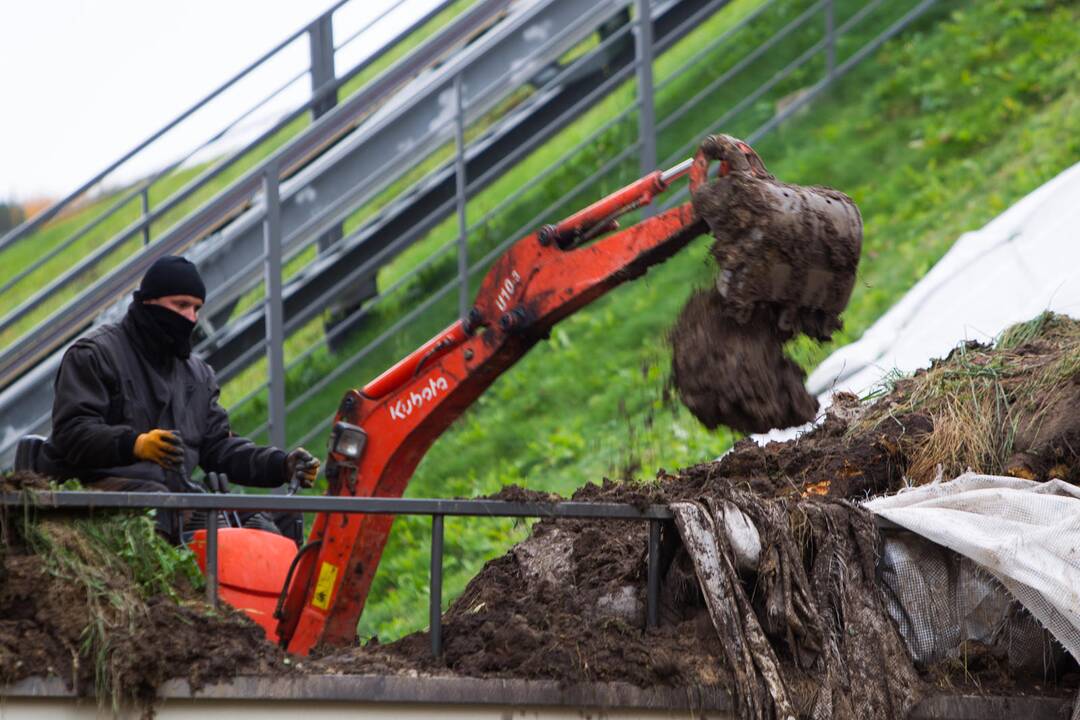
(301,467)
(162,447)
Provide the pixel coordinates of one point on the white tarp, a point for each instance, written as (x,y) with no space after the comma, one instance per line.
(1026,534)
(1025,261)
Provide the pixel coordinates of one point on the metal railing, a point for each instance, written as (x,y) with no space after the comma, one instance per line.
(239,193)
(822,13)
(821,17)
(437,509)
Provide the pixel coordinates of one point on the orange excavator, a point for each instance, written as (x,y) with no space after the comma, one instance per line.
(382,430)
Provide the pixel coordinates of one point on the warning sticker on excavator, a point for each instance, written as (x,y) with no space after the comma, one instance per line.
(324,586)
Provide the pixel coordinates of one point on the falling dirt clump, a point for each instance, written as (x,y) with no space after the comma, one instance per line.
(737,374)
(110,608)
(787,257)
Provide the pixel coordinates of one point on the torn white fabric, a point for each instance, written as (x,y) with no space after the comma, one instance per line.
(1026,534)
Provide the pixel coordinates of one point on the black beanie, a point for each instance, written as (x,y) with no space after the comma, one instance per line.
(171,275)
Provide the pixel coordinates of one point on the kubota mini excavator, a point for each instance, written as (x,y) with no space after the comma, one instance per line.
(382,430)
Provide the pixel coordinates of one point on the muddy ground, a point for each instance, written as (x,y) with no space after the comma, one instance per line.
(68,613)
(568,604)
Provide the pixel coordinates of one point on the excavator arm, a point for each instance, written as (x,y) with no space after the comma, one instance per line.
(382,431)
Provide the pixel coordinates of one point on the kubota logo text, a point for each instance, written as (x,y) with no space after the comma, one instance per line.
(404,408)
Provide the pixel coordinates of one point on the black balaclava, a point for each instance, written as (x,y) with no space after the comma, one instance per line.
(160,326)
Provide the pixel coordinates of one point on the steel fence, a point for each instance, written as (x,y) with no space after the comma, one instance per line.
(437,509)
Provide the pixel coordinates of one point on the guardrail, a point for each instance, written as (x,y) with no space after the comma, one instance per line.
(437,509)
(281,322)
(822,12)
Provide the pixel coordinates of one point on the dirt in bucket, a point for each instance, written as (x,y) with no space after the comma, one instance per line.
(786,259)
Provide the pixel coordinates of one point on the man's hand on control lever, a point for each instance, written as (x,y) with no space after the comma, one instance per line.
(163,447)
(301,468)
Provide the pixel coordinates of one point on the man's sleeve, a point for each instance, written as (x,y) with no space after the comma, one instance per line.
(80,431)
(242,460)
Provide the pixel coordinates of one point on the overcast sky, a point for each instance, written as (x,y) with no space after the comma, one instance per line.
(84,81)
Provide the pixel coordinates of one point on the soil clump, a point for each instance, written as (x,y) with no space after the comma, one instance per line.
(75,604)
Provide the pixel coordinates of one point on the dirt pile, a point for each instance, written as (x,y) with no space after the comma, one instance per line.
(787,257)
(107,606)
(568,604)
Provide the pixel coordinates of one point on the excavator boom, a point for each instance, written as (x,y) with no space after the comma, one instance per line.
(382,431)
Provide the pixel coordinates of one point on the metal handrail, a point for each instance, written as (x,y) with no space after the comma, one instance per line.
(680,195)
(78,311)
(309,233)
(46,215)
(438,509)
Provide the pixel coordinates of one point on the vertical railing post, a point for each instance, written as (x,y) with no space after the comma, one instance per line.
(652,597)
(211,557)
(459,163)
(830,40)
(643,47)
(321,45)
(145,195)
(435,599)
(275,333)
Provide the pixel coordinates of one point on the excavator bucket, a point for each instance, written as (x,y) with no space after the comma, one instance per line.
(789,247)
(787,257)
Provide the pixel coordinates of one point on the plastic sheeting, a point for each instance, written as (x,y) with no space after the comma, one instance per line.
(1024,534)
(1023,262)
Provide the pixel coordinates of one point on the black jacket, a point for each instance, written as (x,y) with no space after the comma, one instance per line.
(117,383)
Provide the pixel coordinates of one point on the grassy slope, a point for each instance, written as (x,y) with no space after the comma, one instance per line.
(934,136)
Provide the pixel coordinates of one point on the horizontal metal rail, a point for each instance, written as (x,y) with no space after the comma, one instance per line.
(437,509)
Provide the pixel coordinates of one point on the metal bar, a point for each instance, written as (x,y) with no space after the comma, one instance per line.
(275,346)
(212,558)
(145,195)
(74,315)
(48,214)
(435,599)
(652,598)
(459,162)
(646,105)
(321,47)
(368,505)
(830,39)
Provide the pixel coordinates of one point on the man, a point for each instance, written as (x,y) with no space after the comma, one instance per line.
(134,410)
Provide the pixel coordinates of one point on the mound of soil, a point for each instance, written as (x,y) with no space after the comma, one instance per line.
(568,604)
(786,258)
(115,644)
